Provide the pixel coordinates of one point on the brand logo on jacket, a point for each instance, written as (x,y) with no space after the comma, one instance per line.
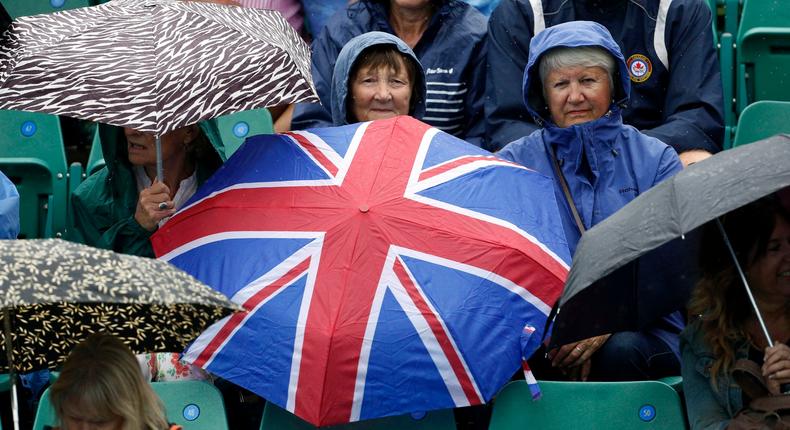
(439,71)
(639,68)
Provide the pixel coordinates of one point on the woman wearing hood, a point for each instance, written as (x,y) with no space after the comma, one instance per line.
(376,76)
(121,206)
(575,85)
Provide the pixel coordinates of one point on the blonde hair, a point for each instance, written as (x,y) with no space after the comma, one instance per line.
(719,299)
(102,374)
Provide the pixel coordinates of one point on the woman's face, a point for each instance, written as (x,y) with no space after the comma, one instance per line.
(381,93)
(577,94)
(769,275)
(142,146)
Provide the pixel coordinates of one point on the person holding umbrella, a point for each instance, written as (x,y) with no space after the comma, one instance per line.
(100,387)
(376,76)
(724,327)
(121,205)
(575,85)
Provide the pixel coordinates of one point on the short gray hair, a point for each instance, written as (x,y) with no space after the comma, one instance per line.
(584,56)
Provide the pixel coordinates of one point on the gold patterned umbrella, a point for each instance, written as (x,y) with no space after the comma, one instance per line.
(55,293)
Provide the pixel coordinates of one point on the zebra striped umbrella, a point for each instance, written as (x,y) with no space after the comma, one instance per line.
(153,65)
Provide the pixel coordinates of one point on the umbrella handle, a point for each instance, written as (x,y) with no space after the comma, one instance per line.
(745,283)
(11,373)
(159,169)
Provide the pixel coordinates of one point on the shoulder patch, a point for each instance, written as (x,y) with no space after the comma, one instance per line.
(639,68)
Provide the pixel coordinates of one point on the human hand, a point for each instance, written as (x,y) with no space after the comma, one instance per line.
(578,373)
(776,367)
(577,353)
(153,204)
(692,156)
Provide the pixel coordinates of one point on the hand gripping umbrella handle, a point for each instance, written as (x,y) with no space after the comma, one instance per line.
(784,388)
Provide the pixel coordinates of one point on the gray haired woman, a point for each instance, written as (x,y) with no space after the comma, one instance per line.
(575,86)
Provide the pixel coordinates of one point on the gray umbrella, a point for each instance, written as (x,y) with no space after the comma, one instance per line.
(596,299)
(153,65)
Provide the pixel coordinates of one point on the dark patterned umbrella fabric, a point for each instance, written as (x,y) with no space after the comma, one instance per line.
(58,292)
(153,65)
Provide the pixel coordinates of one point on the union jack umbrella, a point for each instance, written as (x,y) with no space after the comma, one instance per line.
(386,268)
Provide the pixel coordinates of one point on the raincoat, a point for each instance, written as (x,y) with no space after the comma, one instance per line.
(9,209)
(605,163)
(345,61)
(677,89)
(104,204)
(452,51)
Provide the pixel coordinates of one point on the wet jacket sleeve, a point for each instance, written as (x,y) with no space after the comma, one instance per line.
(693,108)
(97,223)
(705,412)
(669,165)
(313,115)
(475,129)
(509,34)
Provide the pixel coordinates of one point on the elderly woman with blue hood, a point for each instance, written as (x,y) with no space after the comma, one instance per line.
(575,86)
(376,76)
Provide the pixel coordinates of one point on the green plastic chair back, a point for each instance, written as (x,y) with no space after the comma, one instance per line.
(588,405)
(195,405)
(727,64)
(5,382)
(33,157)
(277,418)
(17,8)
(236,127)
(763,52)
(762,119)
(96,157)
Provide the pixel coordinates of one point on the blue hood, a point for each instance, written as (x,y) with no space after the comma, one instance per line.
(571,35)
(345,60)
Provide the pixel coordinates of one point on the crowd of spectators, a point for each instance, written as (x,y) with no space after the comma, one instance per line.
(601,96)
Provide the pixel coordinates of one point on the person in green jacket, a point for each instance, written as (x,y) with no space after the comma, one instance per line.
(121,206)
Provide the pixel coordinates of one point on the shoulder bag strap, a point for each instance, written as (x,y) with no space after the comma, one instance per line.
(567,192)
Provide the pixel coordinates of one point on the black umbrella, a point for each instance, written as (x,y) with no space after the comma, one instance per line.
(56,293)
(608,288)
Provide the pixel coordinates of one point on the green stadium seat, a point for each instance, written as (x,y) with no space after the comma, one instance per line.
(17,8)
(277,418)
(33,157)
(763,52)
(588,405)
(762,119)
(236,127)
(195,405)
(5,382)
(727,64)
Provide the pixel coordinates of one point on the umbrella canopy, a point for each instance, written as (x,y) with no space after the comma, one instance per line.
(388,268)
(59,292)
(153,65)
(661,219)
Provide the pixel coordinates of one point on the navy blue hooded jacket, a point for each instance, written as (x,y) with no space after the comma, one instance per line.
(452,52)
(346,59)
(668,44)
(605,163)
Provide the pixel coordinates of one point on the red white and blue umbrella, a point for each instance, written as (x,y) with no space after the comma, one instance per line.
(386,267)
